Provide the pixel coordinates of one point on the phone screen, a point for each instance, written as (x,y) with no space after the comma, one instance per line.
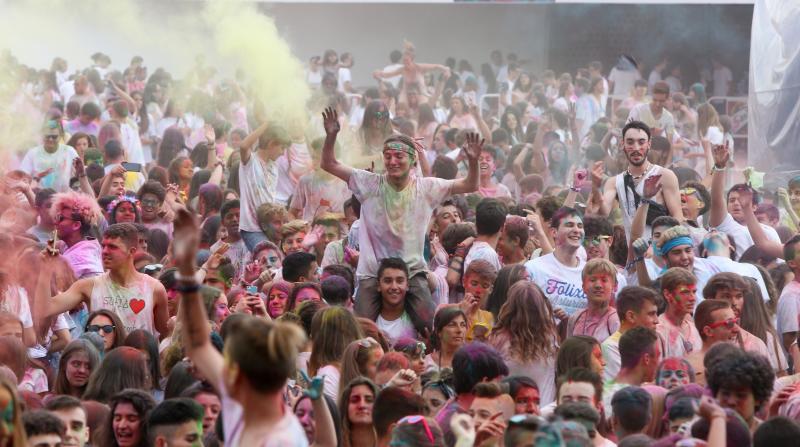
(133,167)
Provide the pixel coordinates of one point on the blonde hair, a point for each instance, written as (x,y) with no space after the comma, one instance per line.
(672,233)
(332,330)
(266,352)
(599,266)
(292,227)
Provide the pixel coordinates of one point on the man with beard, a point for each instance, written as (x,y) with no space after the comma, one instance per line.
(628,187)
(396,208)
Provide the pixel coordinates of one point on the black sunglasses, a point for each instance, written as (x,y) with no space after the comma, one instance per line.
(107,328)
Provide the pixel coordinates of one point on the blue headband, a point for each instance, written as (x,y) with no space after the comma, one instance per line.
(675,242)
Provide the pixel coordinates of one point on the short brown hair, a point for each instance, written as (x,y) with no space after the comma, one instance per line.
(599,266)
(488,390)
(702,315)
(482,268)
(125,231)
(723,281)
(661,87)
(677,276)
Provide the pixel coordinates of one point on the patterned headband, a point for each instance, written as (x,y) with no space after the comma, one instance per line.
(398,146)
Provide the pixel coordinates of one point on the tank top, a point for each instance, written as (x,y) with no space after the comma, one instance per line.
(133,304)
(627,202)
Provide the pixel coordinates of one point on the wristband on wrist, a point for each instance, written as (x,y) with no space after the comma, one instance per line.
(186,279)
(574,188)
(187,287)
(634,261)
(716,168)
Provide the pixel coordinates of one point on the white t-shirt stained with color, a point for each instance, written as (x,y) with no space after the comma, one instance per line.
(561,284)
(394,222)
(258,180)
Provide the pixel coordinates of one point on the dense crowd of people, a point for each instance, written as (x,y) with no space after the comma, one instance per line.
(445,258)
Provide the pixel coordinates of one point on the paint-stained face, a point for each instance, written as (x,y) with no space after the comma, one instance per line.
(673,373)
(683,297)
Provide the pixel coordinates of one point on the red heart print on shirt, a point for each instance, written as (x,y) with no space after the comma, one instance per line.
(136,305)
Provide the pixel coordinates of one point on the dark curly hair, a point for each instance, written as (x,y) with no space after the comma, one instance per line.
(743,369)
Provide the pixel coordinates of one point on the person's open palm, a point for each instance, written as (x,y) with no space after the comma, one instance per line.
(721,154)
(474,145)
(652,185)
(330,120)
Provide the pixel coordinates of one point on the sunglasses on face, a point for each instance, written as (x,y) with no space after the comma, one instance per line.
(107,328)
(51,137)
(60,218)
(730,323)
(595,241)
(382,115)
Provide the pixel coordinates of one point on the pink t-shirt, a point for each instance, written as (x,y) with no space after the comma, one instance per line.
(679,341)
(598,326)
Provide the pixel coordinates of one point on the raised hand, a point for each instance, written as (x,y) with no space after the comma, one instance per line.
(474,146)
(215,259)
(652,185)
(579,178)
(208,133)
(77,165)
(185,240)
(598,171)
(315,386)
(783,197)
(721,154)
(330,120)
(640,246)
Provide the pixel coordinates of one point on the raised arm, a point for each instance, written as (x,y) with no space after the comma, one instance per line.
(249,141)
(602,195)
(80,172)
(422,159)
(378,74)
(719,209)
(191,313)
(475,111)
(45,306)
(330,119)
(757,232)
(670,191)
(472,148)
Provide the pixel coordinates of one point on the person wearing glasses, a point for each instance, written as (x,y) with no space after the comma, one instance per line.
(109,326)
(717,323)
(74,215)
(756,333)
(51,162)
